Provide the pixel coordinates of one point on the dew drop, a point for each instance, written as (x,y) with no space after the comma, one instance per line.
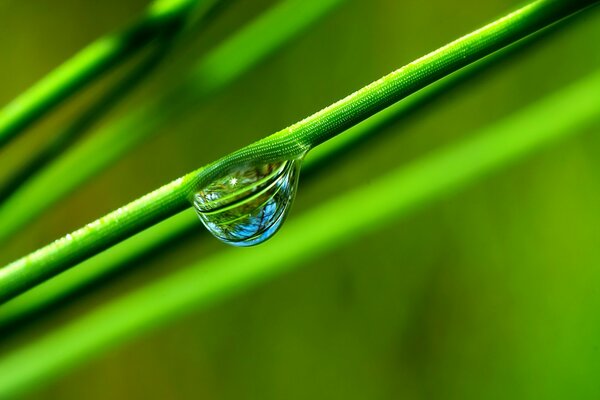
(248,205)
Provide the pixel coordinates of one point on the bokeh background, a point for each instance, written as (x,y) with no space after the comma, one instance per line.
(492,292)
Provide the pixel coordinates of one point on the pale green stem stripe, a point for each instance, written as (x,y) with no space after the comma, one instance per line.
(214,72)
(225,274)
(44,263)
(90,63)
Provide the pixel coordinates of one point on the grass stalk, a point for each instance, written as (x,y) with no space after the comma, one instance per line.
(230,272)
(163,18)
(172,198)
(130,252)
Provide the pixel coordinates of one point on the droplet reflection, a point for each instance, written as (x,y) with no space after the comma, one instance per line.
(248,205)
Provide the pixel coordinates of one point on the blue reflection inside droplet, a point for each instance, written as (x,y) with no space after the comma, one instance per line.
(249,215)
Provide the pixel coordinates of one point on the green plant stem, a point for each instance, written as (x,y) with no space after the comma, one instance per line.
(227,273)
(46,262)
(163,17)
(221,67)
(129,252)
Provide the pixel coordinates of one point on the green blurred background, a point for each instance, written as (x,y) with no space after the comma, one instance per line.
(491,293)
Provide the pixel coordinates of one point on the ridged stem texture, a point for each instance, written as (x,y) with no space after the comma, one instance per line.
(290,142)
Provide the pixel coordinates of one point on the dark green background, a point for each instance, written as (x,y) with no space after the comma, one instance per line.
(491,293)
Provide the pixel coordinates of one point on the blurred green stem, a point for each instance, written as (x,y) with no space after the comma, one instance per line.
(65,138)
(172,198)
(230,272)
(163,17)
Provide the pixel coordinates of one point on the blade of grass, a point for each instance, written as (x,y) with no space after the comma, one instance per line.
(172,198)
(217,70)
(163,17)
(230,272)
(123,255)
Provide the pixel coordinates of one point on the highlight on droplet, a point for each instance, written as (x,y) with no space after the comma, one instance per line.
(248,205)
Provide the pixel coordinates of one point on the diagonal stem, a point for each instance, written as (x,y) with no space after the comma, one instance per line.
(131,253)
(48,261)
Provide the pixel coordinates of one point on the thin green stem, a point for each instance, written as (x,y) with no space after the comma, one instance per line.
(230,272)
(163,17)
(218,69)
(46,262)
(130,252)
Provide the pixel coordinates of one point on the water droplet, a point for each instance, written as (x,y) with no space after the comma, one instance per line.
(248,205)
